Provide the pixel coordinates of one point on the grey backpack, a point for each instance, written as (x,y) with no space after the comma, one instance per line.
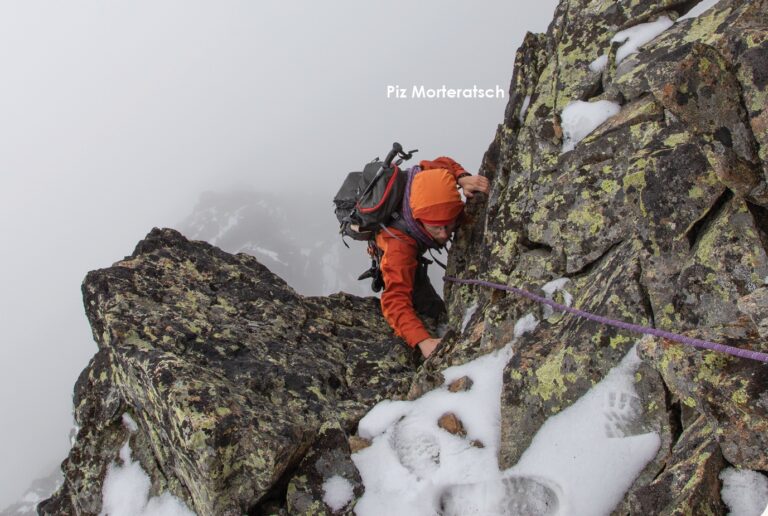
(371,199)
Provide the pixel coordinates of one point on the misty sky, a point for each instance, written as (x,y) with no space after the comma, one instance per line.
(115,116)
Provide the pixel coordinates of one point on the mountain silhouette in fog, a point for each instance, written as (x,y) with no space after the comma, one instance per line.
(295,236)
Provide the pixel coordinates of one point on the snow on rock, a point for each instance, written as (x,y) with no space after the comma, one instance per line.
(580,118)
(590,453)
(599,64)
(639,35)
(745,492)
(524,108)
(525,325)
(698,9)
(582,460)
(129,423)
(556,286)
(550,288)
(381,417)
(337,492)
(468,316)
(633,38)
(126,492)
(411,460)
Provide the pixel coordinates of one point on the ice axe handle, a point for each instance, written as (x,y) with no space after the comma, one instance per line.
(396,149)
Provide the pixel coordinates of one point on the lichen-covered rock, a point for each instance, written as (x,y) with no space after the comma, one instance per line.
(731,393)
(228,373)
(691,484)
(330,457)
(246,394)
(755,305)
(657,217)
(96,445)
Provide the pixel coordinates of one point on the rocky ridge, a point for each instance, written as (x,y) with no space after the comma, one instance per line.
(229,374)
(246,394)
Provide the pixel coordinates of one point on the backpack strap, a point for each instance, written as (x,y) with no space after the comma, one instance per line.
(441,264)
(401,225)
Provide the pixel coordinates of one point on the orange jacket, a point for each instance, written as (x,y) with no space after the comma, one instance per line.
(398,268)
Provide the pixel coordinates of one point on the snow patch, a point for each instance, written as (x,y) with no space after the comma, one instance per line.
(599,64)
(76,430)
(633,38)
(698,9)
(337,492)
(525,325)
(550,288)
(745,492)
(411,460)
(382,416)
(580,118)
(266,252)
(129,423)
(230,223)
(595,448)
(555,286)
(524,108)
(468,316)
(639,35)
(126,492)
(581,461)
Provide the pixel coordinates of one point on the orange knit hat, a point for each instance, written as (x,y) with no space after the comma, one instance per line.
(434,197)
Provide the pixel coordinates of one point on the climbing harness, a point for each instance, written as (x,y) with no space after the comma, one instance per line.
(682,339)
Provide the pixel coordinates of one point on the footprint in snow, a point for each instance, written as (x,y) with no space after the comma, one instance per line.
(511,496)
(417,449)
(622,415)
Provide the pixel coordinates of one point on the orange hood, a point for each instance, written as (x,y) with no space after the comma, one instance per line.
(434,197)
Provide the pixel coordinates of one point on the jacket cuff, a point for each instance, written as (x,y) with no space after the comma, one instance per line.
(414,337)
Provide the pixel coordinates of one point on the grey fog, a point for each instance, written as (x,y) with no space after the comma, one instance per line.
(115,117)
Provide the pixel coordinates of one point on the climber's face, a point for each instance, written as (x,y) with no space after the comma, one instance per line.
(440,234)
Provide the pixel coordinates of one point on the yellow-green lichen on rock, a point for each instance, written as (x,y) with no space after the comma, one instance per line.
(656,218)
(234,391)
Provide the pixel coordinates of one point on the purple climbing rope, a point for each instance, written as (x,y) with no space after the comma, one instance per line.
(689,341)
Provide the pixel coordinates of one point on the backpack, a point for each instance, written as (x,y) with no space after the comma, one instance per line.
(369,201)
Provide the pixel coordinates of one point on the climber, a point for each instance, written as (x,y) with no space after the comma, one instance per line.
(437,209)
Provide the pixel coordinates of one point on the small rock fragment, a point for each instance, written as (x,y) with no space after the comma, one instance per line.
(462,384)
(451,424)
(357,443)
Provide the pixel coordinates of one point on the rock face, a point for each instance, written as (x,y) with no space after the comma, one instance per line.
(229,374)
(658,217)
(246,394)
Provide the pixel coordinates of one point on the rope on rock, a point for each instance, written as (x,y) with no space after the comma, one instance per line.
(689,341)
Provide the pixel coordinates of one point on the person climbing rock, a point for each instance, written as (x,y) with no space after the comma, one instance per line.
(433,208)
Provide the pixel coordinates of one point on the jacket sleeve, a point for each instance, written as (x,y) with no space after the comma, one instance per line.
(446,163)
(398,268)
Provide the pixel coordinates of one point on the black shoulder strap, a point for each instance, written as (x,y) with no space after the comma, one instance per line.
(399,223)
